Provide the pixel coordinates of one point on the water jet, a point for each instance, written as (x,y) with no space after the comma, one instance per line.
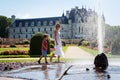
(100,61)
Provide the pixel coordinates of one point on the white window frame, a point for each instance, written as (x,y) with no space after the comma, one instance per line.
(20,24)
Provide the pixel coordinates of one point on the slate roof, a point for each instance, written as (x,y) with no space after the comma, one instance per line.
(64,20)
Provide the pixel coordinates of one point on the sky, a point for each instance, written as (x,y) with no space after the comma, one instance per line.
(53,8)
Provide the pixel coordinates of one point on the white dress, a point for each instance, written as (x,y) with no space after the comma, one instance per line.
(58,48)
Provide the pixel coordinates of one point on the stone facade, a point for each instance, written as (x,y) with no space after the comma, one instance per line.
(75,24)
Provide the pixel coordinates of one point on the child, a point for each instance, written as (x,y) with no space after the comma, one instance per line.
(44,48)
(58,44)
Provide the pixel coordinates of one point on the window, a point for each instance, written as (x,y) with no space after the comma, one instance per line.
(60,21)
(62,28)
(38,29)
(14,30)
(19,36)
(39,23)
(79,29)
(13,36)
(50,29)
(32,24)
(26,30)
(32,30)
(20,31)
(51,23)
(57,21)
(82,29)
(45,23)
(51,35)
(20,24)
(26,35)
(62,35)
(44,29)
(26,24)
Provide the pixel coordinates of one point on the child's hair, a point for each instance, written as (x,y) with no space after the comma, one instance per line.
(45,35)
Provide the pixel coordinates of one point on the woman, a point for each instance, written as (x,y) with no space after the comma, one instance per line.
(58,44)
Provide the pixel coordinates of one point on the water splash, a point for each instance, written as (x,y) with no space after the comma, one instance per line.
(100,28)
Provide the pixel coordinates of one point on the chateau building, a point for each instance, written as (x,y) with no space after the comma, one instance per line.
(75,24)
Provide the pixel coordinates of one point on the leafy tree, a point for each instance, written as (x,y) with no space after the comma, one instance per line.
(4,23)
(112,38)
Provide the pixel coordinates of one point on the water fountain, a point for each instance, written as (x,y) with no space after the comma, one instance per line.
(100,61)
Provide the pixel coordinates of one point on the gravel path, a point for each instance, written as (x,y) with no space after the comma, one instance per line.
(77,53)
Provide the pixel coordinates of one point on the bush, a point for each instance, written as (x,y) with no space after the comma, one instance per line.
(63,43)
(85,43)
(80,42)
(52,42)
(26,41)
(52,45)
(93,45)
(13,45)
(0,41)
(36,43)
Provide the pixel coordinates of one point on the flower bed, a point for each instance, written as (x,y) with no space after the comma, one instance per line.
(14,52)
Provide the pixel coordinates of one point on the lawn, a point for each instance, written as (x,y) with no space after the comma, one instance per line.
(20,56)
(64,48)
(26,58)
(95,52)
(20,48)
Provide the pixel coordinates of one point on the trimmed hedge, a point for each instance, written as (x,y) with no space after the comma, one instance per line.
(13,45)
(0,41)
(26,41)
(36,43)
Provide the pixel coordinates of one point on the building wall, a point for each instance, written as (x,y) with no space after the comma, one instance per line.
(80,23)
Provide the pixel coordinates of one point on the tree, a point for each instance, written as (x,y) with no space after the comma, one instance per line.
(4,23)
(112,38)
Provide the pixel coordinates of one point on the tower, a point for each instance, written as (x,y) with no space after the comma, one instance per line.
(13,18)
(67,14)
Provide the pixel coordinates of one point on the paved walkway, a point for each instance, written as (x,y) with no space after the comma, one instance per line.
(77,53)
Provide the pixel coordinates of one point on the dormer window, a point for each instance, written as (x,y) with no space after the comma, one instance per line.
(39,23)
(26,24)
(45,23)
(51,23)
(57,22)
(32,24)
(20,24)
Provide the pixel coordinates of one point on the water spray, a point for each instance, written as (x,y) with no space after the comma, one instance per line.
(101,61)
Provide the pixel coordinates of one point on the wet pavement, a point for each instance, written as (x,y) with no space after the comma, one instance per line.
(37,72)
(80,70)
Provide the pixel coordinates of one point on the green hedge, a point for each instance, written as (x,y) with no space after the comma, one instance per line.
(36,43)
(13,46)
